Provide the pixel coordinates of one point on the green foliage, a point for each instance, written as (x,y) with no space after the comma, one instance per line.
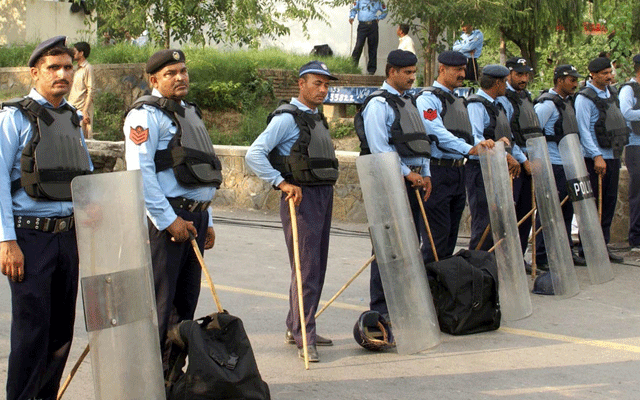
(341,129)
(109,116)
(16,56)
(254,121)
(120,53)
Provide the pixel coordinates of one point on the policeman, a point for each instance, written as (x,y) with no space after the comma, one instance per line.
(524,125)
(387,115)
(38,250)
(630,107)
(167,141)
(603,135)
(369,13)
(558,118)
(282,155)
(488,121)
(445,116)
(470,44)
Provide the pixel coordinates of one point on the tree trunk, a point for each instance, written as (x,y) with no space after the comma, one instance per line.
(502,49)
(430,52)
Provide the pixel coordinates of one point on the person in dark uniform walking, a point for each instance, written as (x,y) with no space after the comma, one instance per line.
(630,107)
(445,116)
(558,118)
(378,121)
(158,129)
(281,156)
(369,13)
(38,249)
(603,135)
(488,121)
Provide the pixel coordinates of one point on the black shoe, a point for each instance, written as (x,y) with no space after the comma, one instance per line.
(614,258)
(320,341)
(539,267)
(578,260)
(312,353)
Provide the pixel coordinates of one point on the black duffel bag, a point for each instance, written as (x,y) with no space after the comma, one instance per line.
(221,361)
(465,292)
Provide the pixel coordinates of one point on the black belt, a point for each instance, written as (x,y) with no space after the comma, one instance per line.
(187,204)
(473,162)
(55,225)
(448,162)
(373,21)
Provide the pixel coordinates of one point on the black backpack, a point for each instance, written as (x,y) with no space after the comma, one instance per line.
(465,292)
(221,361)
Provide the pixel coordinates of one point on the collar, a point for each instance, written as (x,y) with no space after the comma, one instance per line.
(390,89)
(42,101)
(598,91)
(303,107)
(441,86)
(156,92)
(484,94)
(83,64)
(509,87)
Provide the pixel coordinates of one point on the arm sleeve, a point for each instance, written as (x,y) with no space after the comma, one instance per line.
(257,157)
(477,114)
(446,140)
(544,111)
(383,11)
(584,108)
(518,154)
(354,10)
(626,104)
(10,136)
(89,83)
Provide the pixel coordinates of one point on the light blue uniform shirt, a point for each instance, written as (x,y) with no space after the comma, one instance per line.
(627,102)
(548,115)
(453,146)
(367,10)
(508,108)
(470,42)
(480,119)
(281,134)
(587,114)
(157,186)
(378,117)
(16,133)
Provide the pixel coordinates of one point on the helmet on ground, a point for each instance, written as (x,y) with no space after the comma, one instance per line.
(373,332)
(543,284)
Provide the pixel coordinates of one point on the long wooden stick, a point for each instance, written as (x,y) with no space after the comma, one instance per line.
(296,258)
(600,198)
(196,250)
(345,286)
(561,204)
(67,381)
(426,224)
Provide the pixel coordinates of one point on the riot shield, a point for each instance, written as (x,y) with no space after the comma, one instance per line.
(584,206)
(395,243)
(563,273)
(117,286)
(513,288)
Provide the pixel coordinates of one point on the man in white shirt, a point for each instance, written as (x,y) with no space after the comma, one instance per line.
(405,41)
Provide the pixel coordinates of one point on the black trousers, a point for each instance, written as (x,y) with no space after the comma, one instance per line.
(376,291)
(471,73)
(609,192)
(632,161)
(313,216)
(478,207)
(43,309)
(567,213)
(522,199)
(444,210)
(176,274)
(368,32)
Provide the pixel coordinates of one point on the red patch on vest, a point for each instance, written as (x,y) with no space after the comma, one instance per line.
(138,135)
(430,114)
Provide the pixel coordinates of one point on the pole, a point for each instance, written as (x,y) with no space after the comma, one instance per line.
(296,257)
(67,381)
(196,250)
(534,264)
(426,224)
(346,285)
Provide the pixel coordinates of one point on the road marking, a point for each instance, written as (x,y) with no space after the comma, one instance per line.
(514,331)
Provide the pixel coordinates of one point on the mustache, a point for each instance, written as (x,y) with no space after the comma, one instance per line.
(61,81)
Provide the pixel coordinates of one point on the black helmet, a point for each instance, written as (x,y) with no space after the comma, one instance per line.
(543,284)
(373,332)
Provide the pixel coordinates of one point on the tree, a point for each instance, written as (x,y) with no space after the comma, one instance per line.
(241,22)
(530,23)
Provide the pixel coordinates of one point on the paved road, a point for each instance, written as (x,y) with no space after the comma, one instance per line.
(585,347)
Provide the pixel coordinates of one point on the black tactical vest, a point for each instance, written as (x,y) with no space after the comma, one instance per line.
(524,121)
(635,125)
(408,134)
(454,114)
(566,123)
(54,155)
(190,152)
(499,126)
(312,160)
(611,128)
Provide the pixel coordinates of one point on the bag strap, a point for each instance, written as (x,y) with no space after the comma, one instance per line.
(476,289)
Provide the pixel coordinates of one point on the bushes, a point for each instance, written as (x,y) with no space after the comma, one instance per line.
(109,116)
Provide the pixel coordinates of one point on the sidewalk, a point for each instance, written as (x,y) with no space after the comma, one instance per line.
(585,347)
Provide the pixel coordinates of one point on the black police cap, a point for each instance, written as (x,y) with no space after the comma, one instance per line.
(518,64)
(452,58)
(598,64)
(402,58)
(495,70)
(636,59)
(162,58)
(566,70)
(57,41)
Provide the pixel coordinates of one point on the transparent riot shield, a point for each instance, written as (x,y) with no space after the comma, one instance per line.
(556,241)
(513,288)
(117,286)
(395,243)
(584,206)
